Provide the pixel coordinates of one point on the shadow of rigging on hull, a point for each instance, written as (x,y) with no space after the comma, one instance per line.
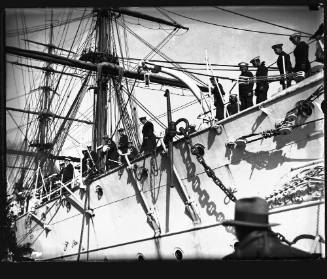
(299,136)
(154,172)
(260,160)
(133,182)
(212,133)
(204,197)
(258,121)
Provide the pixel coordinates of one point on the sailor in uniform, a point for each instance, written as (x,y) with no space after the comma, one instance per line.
(132,151)
(319,36)
(218,93)
(301,53)
(245,86)
(110,153)
(232,107)
(283,63)
(68,172)
(149,139)
(85,159)
(61,170)
(123,141)
(262,85)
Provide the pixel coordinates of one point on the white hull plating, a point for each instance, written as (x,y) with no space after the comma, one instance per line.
(119,227)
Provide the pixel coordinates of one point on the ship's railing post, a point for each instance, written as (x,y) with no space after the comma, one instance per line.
(171,132)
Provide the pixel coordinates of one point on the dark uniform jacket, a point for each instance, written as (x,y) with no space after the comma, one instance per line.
(262,71)
(111,154)
(123,143)
(68,173)
(133,153)
(265,245)
(149,139)
(245,88)
(147,129)
(245,91)
(218,101)
(85,163)
(301,57)
(232,108)
(288,64)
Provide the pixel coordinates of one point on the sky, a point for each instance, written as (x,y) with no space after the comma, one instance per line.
(222,45)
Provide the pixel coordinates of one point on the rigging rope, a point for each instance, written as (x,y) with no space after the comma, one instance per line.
(187,63)
(225,26)
(147,111)
(260,20)
(37,28)
(166,15)
(123,110)
(159,52)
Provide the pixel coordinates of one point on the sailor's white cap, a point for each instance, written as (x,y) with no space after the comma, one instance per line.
(294,35)
(255,58)
(242,64)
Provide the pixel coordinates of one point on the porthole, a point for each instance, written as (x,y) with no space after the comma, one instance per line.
(178,254)
(140,257)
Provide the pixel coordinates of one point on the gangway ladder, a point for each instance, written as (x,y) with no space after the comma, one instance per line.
(190,204)
(74,200)
(151,212)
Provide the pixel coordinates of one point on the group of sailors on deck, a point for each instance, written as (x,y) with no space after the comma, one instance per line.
(112,155)
(246,81)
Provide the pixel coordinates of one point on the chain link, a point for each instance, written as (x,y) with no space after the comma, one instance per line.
(196,150)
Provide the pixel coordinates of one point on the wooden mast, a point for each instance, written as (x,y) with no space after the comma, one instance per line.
(100,92)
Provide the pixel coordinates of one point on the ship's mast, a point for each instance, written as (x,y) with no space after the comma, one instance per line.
(100,125)
(42,143)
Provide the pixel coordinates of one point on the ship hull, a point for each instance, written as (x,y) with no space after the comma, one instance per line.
(120,227)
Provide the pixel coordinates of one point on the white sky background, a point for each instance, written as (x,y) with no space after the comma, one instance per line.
(224,46)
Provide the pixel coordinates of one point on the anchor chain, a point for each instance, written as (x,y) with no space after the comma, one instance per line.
(198,151)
